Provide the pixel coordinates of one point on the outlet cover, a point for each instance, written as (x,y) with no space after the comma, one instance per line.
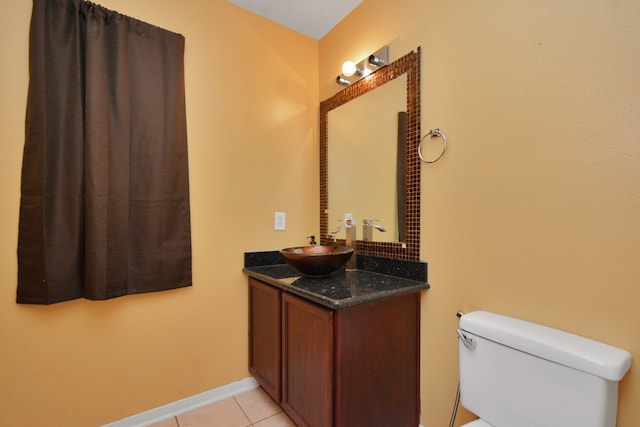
(280,221)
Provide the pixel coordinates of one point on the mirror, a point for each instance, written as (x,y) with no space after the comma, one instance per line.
(362,160)
(338,165)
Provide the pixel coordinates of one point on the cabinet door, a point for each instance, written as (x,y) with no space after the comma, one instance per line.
(307,350)
(377,363)
(264,337)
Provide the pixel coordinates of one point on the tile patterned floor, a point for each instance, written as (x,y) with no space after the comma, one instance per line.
(250,409)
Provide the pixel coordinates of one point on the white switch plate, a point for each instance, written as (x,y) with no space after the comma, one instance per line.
(280,221)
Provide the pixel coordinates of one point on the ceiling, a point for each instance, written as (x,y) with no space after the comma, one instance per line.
(313,18)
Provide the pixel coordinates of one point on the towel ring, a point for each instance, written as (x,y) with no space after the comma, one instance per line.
(433,132)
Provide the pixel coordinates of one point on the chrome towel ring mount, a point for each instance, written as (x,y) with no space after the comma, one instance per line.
(433,133)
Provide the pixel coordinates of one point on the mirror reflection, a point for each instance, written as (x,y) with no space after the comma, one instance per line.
(363,159)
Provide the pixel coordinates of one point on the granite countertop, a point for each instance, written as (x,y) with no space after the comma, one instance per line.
(339,290)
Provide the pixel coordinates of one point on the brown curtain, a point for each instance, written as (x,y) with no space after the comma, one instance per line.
(105,192)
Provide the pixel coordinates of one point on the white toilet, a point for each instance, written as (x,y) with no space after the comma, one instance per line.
(515,373)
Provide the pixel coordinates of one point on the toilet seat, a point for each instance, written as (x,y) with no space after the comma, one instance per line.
(478,423)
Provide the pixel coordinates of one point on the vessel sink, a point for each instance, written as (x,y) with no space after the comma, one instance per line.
(317,261)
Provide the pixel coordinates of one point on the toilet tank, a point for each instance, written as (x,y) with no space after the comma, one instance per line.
(518,373)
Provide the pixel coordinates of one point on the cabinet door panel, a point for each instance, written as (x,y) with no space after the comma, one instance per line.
(377,363)
(307,349)
(265,359)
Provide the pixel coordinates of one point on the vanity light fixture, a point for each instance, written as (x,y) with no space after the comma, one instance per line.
(351,72)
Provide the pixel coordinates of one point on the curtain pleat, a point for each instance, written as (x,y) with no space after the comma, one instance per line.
(105,191)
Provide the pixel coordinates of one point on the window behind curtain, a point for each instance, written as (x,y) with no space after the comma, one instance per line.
(105,191)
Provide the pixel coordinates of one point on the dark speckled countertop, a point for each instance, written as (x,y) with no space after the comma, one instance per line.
(341,289)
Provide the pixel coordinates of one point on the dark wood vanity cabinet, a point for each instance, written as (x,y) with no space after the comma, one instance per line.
(350,367)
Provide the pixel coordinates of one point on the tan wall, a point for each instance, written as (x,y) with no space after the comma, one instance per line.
(252,101)
(533,212)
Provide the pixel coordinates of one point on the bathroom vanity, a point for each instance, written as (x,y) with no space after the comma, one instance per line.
(342,350)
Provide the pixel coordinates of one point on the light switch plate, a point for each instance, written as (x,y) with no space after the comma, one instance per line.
(280,221)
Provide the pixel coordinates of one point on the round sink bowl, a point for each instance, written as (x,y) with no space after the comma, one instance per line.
(317,261)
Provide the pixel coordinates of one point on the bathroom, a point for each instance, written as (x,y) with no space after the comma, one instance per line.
(531,213)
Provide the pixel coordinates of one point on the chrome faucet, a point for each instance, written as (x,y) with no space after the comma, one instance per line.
(349,227)
(367,229)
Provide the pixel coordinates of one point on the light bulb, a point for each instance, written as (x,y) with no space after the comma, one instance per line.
(348,68)
(374,60)
(343,82)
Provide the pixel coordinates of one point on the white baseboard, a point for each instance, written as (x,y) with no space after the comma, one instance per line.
(176,408)
(185,405)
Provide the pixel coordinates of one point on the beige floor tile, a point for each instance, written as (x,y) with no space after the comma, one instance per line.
(225,413)
(171,422)
(278,420)
(257,405)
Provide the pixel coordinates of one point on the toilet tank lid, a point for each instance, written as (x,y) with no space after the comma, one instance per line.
(561,347)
